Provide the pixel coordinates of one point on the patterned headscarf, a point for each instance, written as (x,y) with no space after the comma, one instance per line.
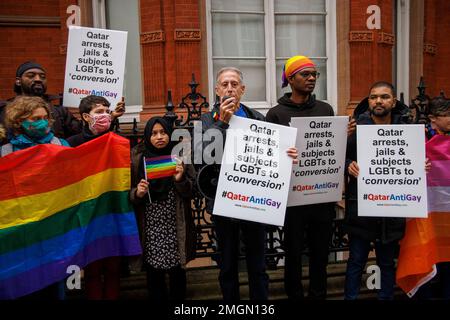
(294,65)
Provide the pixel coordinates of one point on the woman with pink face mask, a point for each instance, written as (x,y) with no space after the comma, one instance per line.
(96,116)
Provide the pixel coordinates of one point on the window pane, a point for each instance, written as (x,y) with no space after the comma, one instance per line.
(300,6)
(300,35)
(116,20)
(254,72)
(238,35)
(238,5)
(321,85)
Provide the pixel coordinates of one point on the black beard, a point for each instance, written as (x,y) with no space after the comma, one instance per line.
(384,113)
(33,91)
(38,91)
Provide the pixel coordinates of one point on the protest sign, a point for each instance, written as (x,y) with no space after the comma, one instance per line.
(255,172)
(95,65)
(319,175)
(392,180)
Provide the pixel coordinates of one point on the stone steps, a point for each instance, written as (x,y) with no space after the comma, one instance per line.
(203,284)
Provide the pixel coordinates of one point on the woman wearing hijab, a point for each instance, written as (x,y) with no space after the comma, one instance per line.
(162,206)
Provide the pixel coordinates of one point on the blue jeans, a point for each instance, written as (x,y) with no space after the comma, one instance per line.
(359,252)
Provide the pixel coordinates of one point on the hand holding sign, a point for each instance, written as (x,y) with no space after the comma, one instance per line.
(319,174)
(119,110)
(95,64)
(255,171)
(391,179)
(353,169)
(293,153)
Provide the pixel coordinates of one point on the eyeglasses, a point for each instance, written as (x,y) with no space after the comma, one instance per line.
(307,74)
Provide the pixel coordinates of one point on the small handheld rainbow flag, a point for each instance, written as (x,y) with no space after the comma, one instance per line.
(160,167)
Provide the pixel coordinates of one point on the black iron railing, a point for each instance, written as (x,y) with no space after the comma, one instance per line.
(195,104)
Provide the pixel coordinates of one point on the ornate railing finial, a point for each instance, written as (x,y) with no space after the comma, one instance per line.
(193,84)
(421,87)
(192,105)
(170,114)
(419,105)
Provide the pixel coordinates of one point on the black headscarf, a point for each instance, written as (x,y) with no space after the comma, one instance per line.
(159,188)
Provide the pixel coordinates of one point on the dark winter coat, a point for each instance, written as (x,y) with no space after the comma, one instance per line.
(210,122)
(84,136)
(370,228)
(186,232)
(282,114)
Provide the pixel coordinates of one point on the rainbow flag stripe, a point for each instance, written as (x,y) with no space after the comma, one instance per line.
(63,206)
(427,241)
(160,167)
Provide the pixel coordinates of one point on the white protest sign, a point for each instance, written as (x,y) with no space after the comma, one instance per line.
(392,179)
(95,65)
(255,171)
(319,175)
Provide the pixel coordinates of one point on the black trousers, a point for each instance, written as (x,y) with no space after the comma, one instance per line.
(312,223)
(158,290)
(228,237)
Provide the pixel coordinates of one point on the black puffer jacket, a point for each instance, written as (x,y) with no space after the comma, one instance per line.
(370,228)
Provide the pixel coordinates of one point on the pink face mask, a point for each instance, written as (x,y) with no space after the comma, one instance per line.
(101,123)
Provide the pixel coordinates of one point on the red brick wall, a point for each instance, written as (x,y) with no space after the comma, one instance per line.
(40,44)
(437,29)
(29,8)
(370,58)
(429,59)
(168,63)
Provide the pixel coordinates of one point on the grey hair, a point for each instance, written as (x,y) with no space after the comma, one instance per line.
(236,70)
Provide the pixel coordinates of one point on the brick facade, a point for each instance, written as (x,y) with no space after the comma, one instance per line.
(172,35)
(39,37)
(370,50)
(436,62)
(170,42)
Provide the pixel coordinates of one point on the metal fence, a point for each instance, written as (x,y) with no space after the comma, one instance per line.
(194,104)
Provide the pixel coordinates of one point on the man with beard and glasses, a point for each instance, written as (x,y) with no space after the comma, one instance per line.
(31,80)
(380,108)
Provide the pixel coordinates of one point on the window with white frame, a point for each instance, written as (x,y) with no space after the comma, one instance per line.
(257,36)
(109,14)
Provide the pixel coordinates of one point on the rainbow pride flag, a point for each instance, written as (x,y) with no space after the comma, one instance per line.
(160,167)
(63,206)
(427,240)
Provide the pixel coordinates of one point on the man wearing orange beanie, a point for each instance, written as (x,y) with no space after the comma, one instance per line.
(315,220)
